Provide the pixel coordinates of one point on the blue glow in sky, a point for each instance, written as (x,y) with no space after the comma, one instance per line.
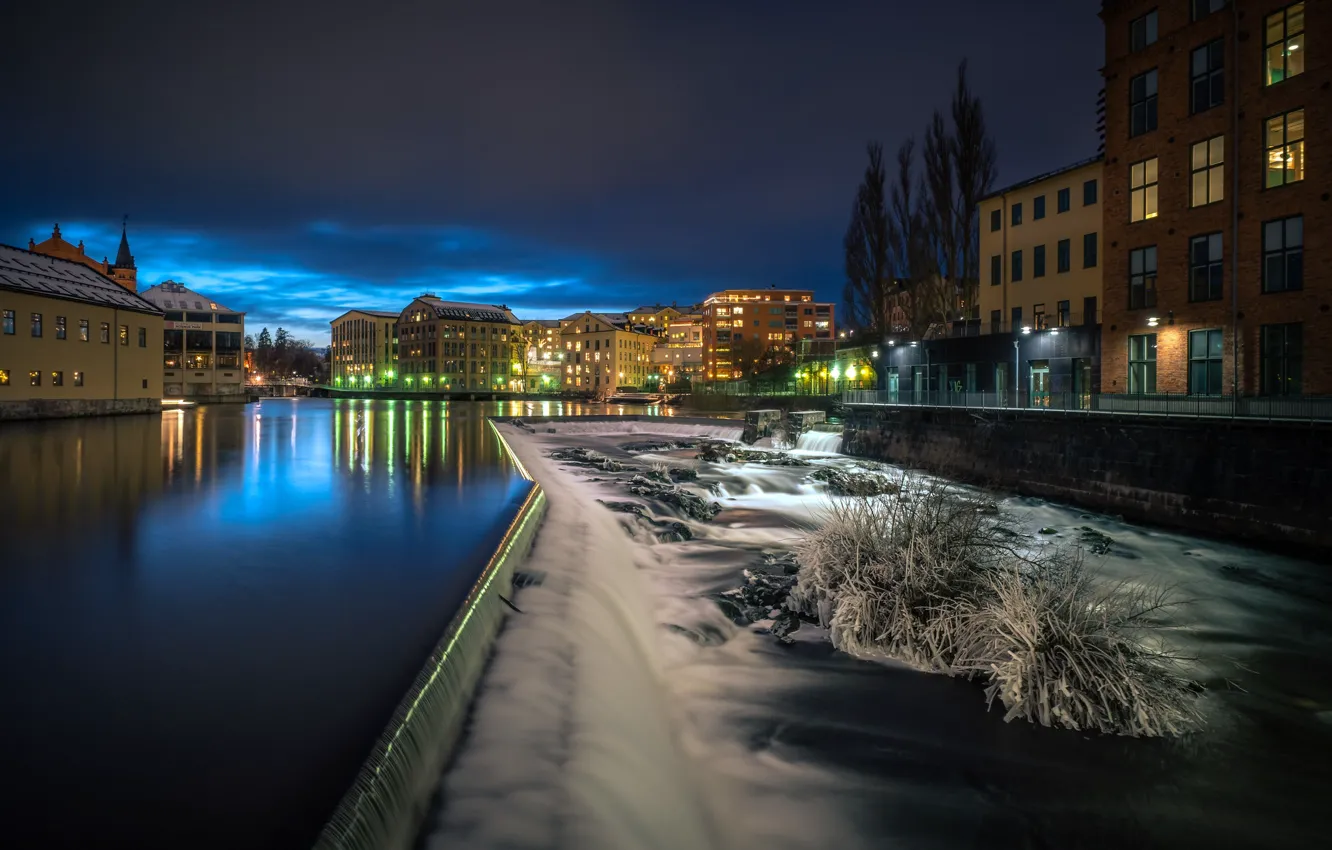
(326,271)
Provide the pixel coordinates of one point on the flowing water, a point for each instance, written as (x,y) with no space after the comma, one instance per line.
(208,616)
(800,746)
(820,441)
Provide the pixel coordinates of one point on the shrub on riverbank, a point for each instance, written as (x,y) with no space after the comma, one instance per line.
(931,577)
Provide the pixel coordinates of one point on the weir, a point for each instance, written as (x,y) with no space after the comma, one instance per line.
(387,802)
(820,441)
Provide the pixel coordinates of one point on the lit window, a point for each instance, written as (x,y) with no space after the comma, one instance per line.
(1142,190)
(1283,254)
(1142,278)
(34,379)
(1142,31)
(1283,55)
(1209,185)
(1205,267)
(1208,76)
(4,377)
(1285,148)
(1142,103)
(60,327)
(83,330)
(57,379)
(124,334)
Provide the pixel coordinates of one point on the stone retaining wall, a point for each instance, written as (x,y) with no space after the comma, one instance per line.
(1264,482)
(71,408)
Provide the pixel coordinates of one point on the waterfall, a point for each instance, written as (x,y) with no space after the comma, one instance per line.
(827,442)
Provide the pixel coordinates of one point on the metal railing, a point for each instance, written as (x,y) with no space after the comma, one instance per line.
(1271,408)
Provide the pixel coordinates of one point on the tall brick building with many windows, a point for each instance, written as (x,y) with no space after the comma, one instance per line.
(1217,276)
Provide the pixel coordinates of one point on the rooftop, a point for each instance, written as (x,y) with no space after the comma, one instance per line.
(465,311)
(381,314)
(1031,181)
(38,274)
(170,295)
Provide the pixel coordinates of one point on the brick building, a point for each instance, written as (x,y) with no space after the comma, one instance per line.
(739,324)
(1208,205)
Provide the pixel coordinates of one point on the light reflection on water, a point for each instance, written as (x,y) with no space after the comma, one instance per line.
(207,617)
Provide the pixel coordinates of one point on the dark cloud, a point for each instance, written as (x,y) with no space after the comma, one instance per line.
(579,153)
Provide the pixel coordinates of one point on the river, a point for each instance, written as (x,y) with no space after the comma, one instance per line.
(207,617)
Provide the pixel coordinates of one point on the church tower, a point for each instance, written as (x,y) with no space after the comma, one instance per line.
(123,270)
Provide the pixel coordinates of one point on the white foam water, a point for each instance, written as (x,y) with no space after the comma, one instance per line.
(826,442)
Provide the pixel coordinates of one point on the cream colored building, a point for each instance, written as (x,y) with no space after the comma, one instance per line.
(543,356)
(363,349)
(681,355)
(1040,251)
(458,345)
(601,354)
(203,345)
(73,341)
(654,318)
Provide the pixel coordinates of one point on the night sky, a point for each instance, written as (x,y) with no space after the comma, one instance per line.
(294,160)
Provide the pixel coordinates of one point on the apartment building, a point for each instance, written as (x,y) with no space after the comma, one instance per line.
(680,356)
(1215,114)
(1040,248)
(74,341)
(654,318)
(603,353)
(543,355)
(456,345)
(740,324)
(203,345)
(363,349)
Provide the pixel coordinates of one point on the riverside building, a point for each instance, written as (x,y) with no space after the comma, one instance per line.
(456,345)
(363,349)
(74,341)
(740,322)
(1217,120)
(602,353)
(203,345)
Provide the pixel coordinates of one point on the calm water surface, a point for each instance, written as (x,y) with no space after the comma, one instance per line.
(207,617)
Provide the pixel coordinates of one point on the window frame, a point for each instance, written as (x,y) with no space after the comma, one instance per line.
(1213,76)
(1149,189)
(996,220)
(1063,256)
(1144,103)
(1286,252)
(1015,273)
(1093,240)
(1286,146)
(8,323)
(1196,13)
(1038,208)
(1142,280)
(1212,193)
(1144,31)
(1038,261)
(1016,214)
(1089,190)
(104,333)
(996,269)
(1064,310)
(1209,269)
(1283,41)
(35,325)
(1147,360)
(84,334)
(1285,364)
(1063,200)
(1213,365)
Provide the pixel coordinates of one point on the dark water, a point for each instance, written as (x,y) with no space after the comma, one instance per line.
(207,617)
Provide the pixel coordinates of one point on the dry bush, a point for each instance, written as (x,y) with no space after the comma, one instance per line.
(881,569)
(928,576)
(1060,649)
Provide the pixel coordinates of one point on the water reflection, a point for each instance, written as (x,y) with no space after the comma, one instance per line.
(207,617)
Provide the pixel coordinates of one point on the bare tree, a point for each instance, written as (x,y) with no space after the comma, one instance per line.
(974,159)
(866,248)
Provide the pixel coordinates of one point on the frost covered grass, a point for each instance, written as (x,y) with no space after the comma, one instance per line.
(930,577)
(1059,649)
